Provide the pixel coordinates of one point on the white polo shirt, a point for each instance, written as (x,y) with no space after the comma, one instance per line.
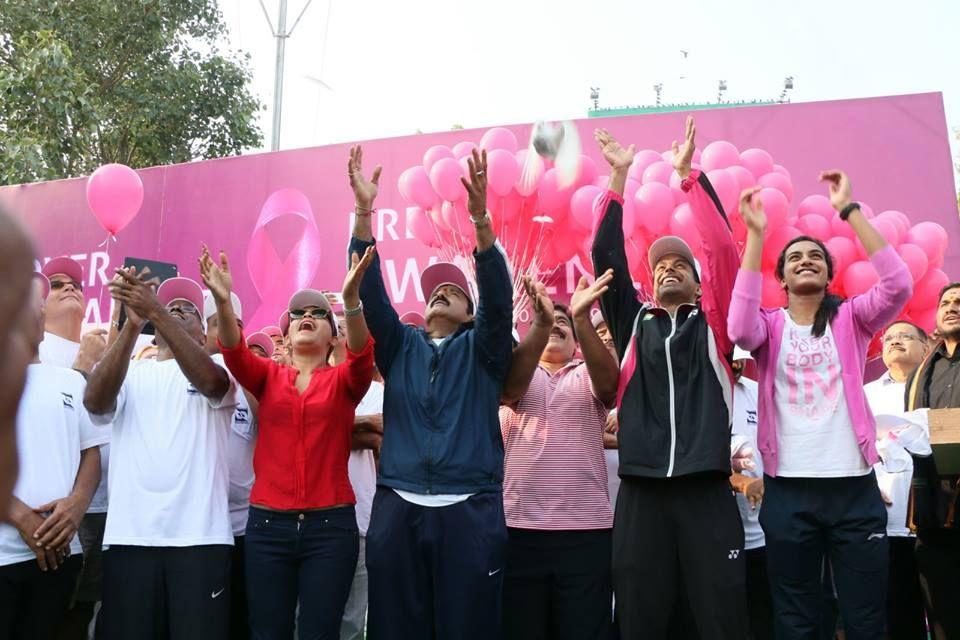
(744,434)
(362,466)
(168,478)
(240,445)
(52,429)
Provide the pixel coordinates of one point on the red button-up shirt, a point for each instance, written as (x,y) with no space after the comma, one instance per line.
(303,444)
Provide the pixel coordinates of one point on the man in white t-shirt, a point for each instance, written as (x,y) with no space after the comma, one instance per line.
(40,555)
(63,346)
(167,571)
(362,469)
(240,446)
(904,347)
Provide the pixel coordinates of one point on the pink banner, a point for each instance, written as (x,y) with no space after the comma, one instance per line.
(286,215)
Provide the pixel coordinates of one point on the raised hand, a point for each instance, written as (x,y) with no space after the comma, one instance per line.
(683,156)
(540,300)
(92,347)
(839,186)
(135,293)
(615,155)
(477,186)
(364,191)
(585,295)
(751,210)
(217,277)
(351,284)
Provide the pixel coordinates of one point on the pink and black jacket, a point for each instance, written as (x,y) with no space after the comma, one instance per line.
(675,397)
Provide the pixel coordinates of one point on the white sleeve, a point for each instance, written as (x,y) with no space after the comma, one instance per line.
(90,435)
(229,399)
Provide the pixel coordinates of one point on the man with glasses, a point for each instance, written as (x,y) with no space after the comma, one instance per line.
(167,573)
(904,346)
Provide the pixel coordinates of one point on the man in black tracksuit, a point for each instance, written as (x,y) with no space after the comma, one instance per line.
(677,525)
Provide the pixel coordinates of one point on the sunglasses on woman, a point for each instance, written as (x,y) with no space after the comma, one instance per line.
(317,314)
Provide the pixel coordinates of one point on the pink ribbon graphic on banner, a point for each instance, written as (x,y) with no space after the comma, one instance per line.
(274,279)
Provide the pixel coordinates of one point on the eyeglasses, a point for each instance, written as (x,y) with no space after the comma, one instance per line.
(899,337)
(60,284)
(300,314)
(184,307)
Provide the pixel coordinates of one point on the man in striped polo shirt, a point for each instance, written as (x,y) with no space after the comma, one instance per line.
(557,576)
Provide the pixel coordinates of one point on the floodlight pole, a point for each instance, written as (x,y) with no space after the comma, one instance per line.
(281,34)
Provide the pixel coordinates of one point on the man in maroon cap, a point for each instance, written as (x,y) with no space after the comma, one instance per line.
(167,572)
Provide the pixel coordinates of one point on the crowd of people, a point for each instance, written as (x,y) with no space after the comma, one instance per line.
(351,473)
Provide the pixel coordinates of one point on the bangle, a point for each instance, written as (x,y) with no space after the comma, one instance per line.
(349,313)
(847,210)
(481,222)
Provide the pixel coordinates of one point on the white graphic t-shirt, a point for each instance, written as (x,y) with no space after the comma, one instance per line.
(815,437)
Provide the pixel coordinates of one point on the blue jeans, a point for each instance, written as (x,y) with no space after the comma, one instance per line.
(307,557)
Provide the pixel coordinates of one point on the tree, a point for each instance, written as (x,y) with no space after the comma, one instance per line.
(140,82)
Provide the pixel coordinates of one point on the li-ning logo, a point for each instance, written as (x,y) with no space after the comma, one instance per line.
(872,536)
(67,400)
(734,554)
(751,416)
(191,390)
(241,416)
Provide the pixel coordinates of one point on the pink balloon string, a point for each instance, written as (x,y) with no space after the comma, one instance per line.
(275,280)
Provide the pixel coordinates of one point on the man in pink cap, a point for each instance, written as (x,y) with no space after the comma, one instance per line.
(168,528)
(437,537)
(65,307)
(674,409)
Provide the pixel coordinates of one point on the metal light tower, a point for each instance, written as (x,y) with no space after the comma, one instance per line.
(720,89)
(659,89)
(281,34)
(595,96)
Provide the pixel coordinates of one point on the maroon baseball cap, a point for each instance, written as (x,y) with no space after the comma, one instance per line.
(441,273)
(262,340)
(412,318)
(64,265)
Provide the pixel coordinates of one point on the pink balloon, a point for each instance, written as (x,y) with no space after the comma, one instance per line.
(445,179)
(888,230)
(499,138)
(814,226)
(772,294)
(683,225)
(436,214)
(915,258)
(414,186)
(502,171)
(726,187)
(455,215)
(114,194)
(510,206)
(553,199)
(899,220)
(929,236)
(744,178)
(536,170)
(654,204)
(867,211)
(629,223)
(779,168)
(587,171)
(643,159)
(679,197)
(658,172)
(434,154)
(926,293)
(859,277)
(775,205)
(418,222)
(630,189)
(775,242)
(463,149)
(779,182)
(816,204)
(926,319)
(758,161)
(841,227)
(719,155)
(843,252)
(582,207)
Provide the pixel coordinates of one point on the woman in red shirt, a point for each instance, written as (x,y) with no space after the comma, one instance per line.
(302,539)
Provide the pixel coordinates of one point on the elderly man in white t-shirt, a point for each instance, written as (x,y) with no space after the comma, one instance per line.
(904,347)
(167,571)
(40,555)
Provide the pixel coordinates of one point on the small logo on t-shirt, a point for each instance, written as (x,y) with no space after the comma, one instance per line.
(191,390)
(751,416)
(241,416)
(67,400)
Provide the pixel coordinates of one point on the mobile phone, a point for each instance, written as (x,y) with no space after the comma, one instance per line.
(160,270)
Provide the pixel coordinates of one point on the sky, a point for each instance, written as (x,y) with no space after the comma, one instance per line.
(392,68)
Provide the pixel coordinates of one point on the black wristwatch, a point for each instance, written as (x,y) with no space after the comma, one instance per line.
(847,210)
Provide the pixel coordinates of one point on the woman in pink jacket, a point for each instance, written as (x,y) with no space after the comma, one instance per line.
(816,433)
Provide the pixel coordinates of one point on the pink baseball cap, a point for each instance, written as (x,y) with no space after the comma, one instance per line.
(412,318)
(43,281)
(181,289)
(262,340)
(442,273)
(271,330)
(672,245)
(303,299)
(596,318)
(64,265)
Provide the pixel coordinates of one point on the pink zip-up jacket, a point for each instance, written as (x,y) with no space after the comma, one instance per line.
(760,331)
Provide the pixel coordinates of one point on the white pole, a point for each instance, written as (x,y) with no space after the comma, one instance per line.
(281,36)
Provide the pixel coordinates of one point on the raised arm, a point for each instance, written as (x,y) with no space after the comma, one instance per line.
(603,369)
(744,326)
(357,333)
(879,306)
(381,319)
(526,357)
(620,304)
(493,322)
(103,385)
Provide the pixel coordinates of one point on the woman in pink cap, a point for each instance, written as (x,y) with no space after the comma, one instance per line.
(302,539)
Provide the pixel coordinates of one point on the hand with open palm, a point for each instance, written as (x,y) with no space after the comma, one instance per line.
(683,156)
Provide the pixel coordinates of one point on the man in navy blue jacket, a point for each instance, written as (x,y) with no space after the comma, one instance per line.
(437,535)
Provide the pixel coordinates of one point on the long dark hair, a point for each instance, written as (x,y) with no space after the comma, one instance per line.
(831,302)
